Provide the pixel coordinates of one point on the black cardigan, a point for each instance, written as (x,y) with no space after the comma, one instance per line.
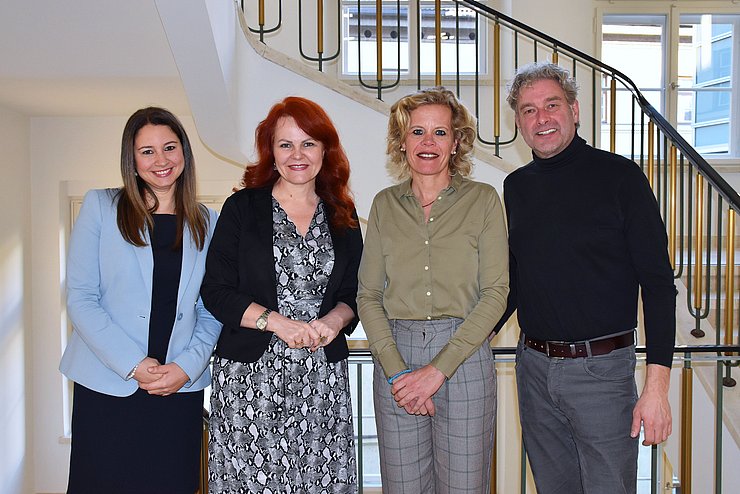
(240,269)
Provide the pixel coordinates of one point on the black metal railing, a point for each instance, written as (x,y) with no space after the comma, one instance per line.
(687,360)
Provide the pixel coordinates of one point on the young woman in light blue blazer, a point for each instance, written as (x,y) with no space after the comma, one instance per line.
(141,339)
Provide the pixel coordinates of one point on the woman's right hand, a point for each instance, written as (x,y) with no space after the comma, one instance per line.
(414,391)
(142,374)
(295,334)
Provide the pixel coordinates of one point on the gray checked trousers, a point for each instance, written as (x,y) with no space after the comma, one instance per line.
(451,451)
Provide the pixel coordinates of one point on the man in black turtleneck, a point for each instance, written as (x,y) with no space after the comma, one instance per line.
(585,235)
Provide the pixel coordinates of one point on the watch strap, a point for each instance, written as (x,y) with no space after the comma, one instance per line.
(262,320)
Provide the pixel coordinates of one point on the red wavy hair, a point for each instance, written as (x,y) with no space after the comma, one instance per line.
(332,182)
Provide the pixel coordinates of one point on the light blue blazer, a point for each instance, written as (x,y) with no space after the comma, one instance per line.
(109,288)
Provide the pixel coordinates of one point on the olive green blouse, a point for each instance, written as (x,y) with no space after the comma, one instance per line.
(453,265)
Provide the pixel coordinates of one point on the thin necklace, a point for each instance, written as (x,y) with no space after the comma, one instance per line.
(428,204)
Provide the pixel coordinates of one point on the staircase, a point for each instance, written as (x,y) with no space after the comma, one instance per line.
(234,65)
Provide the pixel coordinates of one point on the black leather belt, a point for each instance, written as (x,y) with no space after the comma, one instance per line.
(563,349)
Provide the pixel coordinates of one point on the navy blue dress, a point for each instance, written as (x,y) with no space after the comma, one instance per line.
(141,443)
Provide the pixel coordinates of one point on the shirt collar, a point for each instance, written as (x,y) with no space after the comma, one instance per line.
(455,182)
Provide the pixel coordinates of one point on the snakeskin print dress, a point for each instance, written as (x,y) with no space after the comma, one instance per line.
(283,424)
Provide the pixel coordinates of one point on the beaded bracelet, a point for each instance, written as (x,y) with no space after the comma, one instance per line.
(397,375)
(133,371)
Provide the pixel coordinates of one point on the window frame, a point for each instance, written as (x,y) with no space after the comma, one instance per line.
(673,14)
(409,76)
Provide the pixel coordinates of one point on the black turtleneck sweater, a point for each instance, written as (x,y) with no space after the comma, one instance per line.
(585,233)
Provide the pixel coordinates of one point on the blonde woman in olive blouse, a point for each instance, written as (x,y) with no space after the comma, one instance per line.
(433,281)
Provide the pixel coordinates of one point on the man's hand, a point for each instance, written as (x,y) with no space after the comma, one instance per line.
(652,409)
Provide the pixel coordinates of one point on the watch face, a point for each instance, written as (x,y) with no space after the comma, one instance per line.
(261,322)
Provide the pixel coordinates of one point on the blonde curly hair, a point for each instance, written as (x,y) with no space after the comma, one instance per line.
(463,127)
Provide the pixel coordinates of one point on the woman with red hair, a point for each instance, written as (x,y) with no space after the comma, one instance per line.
(281,275)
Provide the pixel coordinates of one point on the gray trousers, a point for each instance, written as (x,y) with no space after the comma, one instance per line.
(576,416)
(451,451)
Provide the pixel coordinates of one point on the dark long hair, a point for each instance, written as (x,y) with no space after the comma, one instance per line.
(134,216)
(332,182)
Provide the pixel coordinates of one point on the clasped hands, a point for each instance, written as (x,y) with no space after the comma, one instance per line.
(312,335)
(413,391)
(158,379)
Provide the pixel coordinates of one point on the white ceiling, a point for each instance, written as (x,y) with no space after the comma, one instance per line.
(85,57)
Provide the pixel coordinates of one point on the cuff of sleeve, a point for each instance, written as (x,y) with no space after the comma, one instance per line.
(392,363)
(188,370)
(128,373)
(660,356)
(446,363)
(132,372)
(234,317)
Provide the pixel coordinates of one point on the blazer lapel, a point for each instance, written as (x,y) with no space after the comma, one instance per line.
(262,214)
(146,262)
(340,259)
(189,255)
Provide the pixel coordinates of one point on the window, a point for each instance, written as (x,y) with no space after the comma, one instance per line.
(401,39)
(635,45)
(704,106)
(705,84)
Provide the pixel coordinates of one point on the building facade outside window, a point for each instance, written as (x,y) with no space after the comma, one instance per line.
(399,38)
(693,81)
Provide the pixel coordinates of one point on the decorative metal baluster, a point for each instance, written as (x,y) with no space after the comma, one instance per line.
(379,87)
(666,170)
(687,374)
(418,44)
(360,436)
(672,214)
(699,247)
(437,42)
(718,427)
(613,115)
(708,253)
(651,155)
(457,49)
(682,219)
(497,87)
(729,282)
(632,129)
(728,380)
(596,83)
(379,44)
(320,58)
(261,30)
(496,142)
(642,138)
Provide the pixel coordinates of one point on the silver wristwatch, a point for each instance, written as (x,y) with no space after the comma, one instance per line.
(262,320)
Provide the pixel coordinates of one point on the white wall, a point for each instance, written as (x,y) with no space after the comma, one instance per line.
(16,453)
